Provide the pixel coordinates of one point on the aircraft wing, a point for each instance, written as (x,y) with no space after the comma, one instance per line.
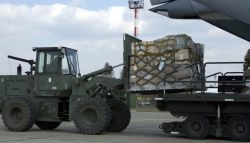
(229,15)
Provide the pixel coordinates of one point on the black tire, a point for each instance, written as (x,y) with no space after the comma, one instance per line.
(19,114)
(46,125)
(92,116)
(197,127)
(239,128)
(120,116)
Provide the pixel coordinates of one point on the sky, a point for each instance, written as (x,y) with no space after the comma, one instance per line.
(86,4)
(95,28)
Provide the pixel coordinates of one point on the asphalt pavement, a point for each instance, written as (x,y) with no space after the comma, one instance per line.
(143,128)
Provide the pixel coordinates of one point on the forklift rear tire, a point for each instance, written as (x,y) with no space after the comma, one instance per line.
(239,128)
(19,114)
(197,127)
(46,125)
(120,116)
(92,115)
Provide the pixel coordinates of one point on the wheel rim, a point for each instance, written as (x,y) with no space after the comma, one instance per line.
(240,128)
(89,116)
(196,126)
(16,115)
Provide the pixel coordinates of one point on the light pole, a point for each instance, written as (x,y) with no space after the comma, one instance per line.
(136,5)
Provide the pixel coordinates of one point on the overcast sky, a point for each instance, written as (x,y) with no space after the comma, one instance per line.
(95,29)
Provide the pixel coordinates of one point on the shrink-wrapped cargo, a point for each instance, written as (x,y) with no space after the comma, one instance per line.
(170,63)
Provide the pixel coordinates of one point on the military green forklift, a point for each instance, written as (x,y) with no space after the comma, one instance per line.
(53,91)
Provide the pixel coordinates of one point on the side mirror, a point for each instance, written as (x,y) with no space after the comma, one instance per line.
(62,55)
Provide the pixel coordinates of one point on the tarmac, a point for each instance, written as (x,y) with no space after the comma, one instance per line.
(143,128)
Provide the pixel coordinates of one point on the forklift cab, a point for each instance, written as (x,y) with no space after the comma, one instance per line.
(54,70)
(56,60)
